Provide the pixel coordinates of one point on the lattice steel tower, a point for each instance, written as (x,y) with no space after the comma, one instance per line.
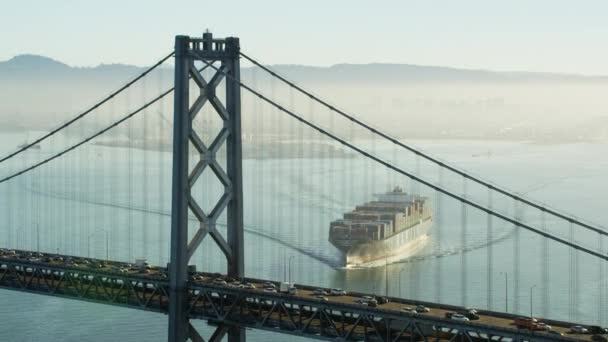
(187,51)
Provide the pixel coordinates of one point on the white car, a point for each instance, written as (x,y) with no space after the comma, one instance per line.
(337,292)
(319,292)
(577,329)
(409,311)
(219,281)
(367,300)
(544,326)
(322,298)
(459,317)
(422,309)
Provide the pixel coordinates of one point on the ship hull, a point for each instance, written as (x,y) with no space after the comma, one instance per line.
(394,248)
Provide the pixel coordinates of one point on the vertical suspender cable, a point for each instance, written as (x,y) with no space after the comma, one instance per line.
(115,170)
(130,186)
(272,160)
(438,239)
(257,171)
(145,179)
(601,285)
(82,209)
(161,170)
(490,255)
(463,240)
(516,258)
(545,283)
(571,280)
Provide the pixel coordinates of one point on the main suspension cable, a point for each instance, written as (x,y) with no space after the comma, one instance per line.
(428,157)
(88,111)
(82,142)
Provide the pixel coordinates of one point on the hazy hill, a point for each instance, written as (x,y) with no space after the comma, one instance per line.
(409,100)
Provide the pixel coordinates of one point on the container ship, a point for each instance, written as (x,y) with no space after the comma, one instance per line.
(393,227)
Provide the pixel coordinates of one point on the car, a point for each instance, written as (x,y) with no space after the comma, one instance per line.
(578,329)
(555,332)
(337,292)
(422,309)
(595,329)
(526,323)
(543,326)
(270,289)
(408,310)
(219,281)
(196,277)
(319,292)
(470,315)
(382,300)
(599,338)
(248,286)
(470,310)
(367,301)
(459,317)
(269,284)
(322,298)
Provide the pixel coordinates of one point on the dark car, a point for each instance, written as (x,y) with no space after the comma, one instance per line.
(594,329)
(599,338)
(382,300)
(470,315)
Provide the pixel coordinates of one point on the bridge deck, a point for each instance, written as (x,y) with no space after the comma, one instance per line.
(123,284)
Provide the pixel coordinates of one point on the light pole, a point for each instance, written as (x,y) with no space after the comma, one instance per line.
(107,246)
(289,262)
(385,277)
(89,244)
(401,270)
(37,238)
(531,288)
(506,290)
(19,233)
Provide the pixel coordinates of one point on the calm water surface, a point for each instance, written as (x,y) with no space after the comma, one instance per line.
(74,204)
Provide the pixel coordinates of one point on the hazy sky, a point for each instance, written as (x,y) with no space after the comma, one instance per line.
(540,35)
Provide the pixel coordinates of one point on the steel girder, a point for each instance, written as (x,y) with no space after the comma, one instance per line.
(316,319)
(230,306)
(86,284)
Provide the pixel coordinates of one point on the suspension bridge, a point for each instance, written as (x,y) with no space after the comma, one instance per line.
(201,215)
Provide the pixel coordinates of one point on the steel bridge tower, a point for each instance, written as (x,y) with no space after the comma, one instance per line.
(209,50)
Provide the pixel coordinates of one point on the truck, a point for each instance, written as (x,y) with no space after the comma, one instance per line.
(528,323)
(288,288)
